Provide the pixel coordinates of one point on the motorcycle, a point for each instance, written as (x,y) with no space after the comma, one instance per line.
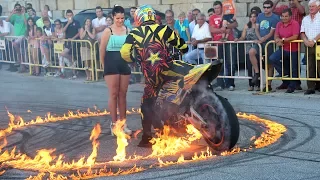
(193,100)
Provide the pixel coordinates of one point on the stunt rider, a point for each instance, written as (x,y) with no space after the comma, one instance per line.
(147,45)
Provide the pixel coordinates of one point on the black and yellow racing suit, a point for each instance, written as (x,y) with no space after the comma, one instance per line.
(147,45)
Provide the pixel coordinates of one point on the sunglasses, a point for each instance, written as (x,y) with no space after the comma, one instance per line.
(267,7)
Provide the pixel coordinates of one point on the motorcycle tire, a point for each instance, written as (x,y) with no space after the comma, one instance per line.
(222,129)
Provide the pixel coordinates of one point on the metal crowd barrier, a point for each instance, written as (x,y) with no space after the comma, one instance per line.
(14,50)
(288,66)
(47,53)
(233,52)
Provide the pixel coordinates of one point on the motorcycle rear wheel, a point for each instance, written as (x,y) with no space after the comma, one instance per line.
(222,129)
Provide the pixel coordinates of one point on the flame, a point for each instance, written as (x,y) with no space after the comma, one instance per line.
(40,176)
(274,130)
(52,176)
(16,122)
(105,172)
(5,142)
(95,144)
(166,144)
(122,140)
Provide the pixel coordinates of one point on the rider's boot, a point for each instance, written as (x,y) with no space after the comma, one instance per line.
(145,141)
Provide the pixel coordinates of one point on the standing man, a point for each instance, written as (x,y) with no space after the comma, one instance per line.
(72,31)
(286,31)
(18,18)
(193,24)
(224,50)
(310,34)
(99,23)
(44,15)
(265,28)
(32,13)
(298,11)
(169,15)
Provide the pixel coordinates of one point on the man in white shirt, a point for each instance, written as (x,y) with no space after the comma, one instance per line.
(201,35)
(310,34)
(193,23)
(99,23)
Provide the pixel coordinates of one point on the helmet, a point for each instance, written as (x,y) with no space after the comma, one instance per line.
(143,14)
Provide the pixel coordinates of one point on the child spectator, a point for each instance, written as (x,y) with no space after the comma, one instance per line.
(34,44)
(46,42)
(59,35)
(87,32)
(229,15)
(47,8)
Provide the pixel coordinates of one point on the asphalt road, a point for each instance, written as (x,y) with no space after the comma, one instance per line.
(295,156)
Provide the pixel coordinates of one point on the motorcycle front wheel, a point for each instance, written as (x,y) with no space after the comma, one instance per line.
(221,131)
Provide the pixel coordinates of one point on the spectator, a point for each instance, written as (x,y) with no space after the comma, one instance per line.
(286,31)
(46,45)
(116,70)
(4,28)
(296,8)
(266,24)
(72,30)
(169,14)
(226,52)
(34,45)
(29,6)
(59,35)
(4,31)
(210,13)
(158,20)
(189,16)
(310,34)
(109,21)
(181,27)
(47,8)
(252,50)
(18,18)
(44,14)
(0,10)
(129,23)
(32,13)
(200,36)
(256,9)
(87,32)
(99,23)
(298,12)
(195,12)
(229,15)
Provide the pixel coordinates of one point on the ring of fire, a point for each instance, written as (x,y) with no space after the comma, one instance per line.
(52,167)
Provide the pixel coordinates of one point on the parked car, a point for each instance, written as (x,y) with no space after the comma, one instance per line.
(91,13)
